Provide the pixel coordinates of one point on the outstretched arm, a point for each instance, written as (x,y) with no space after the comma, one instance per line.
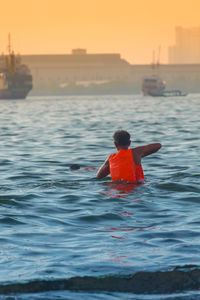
(104,170)
(143,151)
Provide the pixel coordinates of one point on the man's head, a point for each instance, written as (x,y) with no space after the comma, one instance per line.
(122,139)
(75,167)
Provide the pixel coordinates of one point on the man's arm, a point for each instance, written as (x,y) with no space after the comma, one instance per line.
(143,151)
(104,170)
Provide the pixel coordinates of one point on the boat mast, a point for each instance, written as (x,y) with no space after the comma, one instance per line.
(158,58)
(153,60)
(9,44)
(11,57)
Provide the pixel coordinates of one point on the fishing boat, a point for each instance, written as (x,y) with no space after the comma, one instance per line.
(15,77)
(154,86)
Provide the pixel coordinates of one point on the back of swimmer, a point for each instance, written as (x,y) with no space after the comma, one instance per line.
(125,165)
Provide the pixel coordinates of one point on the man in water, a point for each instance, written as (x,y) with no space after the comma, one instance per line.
(125,165)
(77,167)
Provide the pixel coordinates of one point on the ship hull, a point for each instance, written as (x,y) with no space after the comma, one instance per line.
(15,78)
(18,86)
(14,94)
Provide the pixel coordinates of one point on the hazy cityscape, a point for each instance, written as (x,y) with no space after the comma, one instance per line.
(80,72)
(187,47)
(95,73)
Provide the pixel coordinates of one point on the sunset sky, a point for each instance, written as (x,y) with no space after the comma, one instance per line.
(129,27)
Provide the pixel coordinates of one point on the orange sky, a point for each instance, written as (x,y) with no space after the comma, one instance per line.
(132,28)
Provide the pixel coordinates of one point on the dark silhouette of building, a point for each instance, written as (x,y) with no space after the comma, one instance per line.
(82,73)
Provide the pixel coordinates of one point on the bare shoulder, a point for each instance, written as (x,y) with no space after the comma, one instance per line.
(142,151)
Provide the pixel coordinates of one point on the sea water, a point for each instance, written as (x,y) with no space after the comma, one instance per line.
(57,224)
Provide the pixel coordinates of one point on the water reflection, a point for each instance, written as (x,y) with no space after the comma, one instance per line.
(120,189)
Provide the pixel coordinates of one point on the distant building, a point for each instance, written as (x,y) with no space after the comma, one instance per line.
(187,47)
(79,51)
(83,73)
(77,67)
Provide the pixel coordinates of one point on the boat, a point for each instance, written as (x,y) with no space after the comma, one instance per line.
(173,93)
(15,77)
(154,86)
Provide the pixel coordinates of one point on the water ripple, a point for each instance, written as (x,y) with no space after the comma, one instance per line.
(57,223)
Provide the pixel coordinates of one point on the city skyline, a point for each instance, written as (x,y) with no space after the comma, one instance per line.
(187,47)
(133,29)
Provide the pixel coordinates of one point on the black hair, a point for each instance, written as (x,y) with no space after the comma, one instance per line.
(75,167)
(121,137)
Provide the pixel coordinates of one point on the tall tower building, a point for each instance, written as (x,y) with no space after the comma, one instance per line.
(187,47)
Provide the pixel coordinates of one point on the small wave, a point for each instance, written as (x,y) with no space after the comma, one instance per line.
(96,218)
(186,278)
(17,200)
(10,221)
(175,187)
(5,162)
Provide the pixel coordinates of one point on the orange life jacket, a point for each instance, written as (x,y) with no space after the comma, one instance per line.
(123,167)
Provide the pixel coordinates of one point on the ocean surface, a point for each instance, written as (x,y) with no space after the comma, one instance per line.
(60,226)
